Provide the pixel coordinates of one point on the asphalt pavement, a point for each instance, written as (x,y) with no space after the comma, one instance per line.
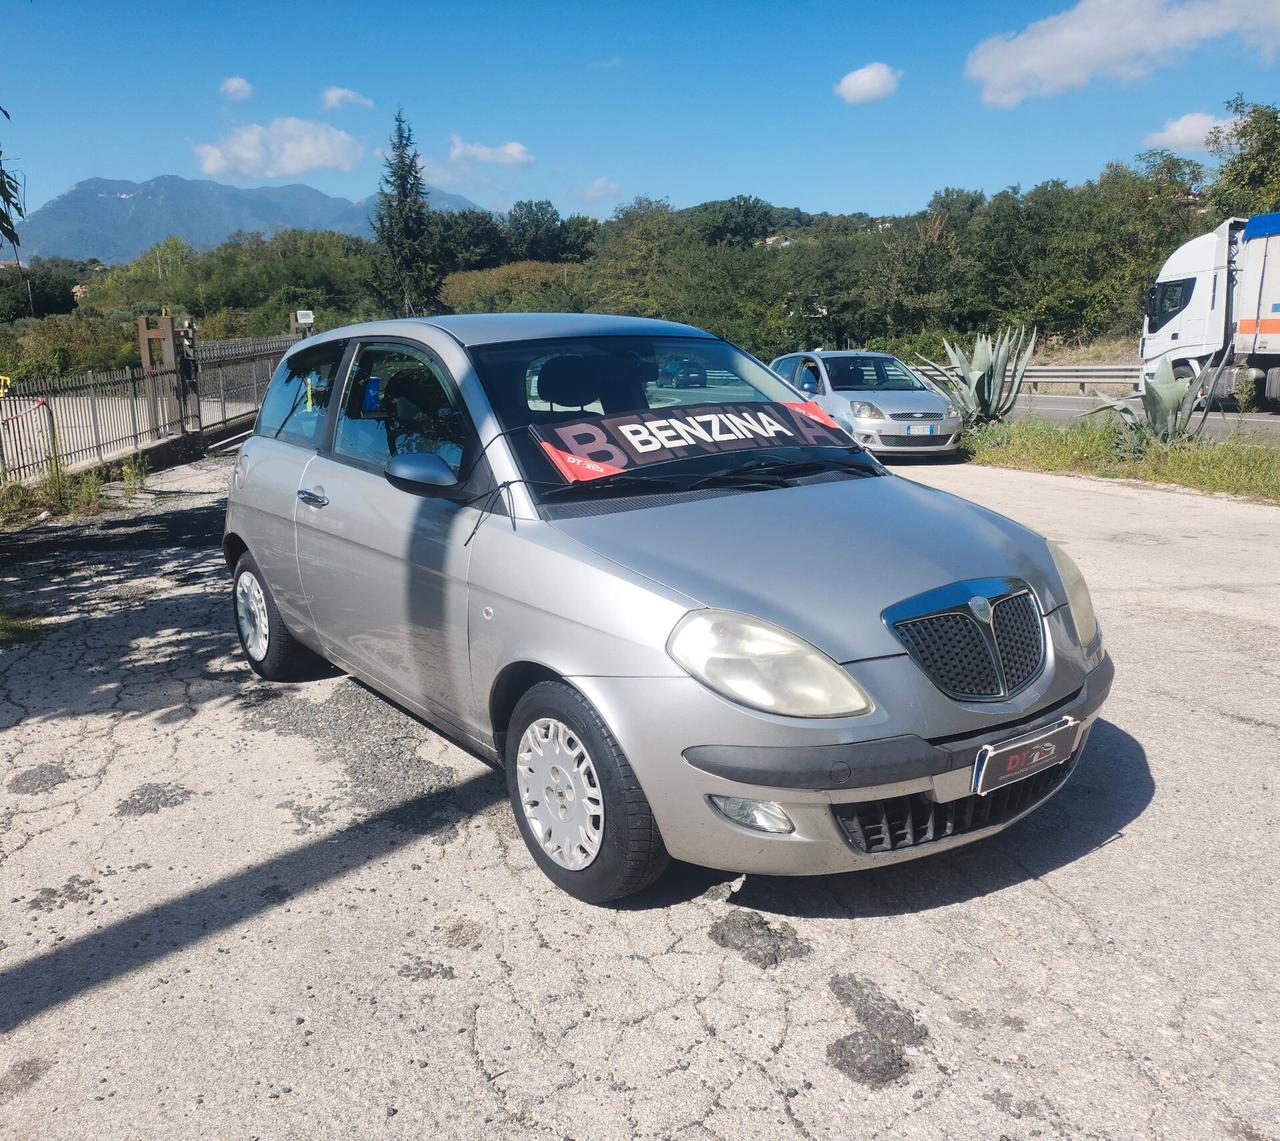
(1220,424)
(236,909)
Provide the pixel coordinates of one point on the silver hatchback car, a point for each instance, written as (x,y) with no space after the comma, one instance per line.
(703,625)
(885,406)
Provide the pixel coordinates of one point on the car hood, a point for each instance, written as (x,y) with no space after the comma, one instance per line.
(903,401)
(821,560)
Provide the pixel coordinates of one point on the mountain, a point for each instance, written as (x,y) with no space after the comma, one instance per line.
(114,220)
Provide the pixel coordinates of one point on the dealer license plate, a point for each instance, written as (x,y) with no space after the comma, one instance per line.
(922,429)
(1010,761)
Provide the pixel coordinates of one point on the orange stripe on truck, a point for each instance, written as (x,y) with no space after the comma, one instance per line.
(1266,325)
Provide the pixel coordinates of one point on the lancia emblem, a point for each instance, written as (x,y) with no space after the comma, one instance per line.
(980,608)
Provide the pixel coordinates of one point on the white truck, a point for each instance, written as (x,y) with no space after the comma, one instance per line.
(1218,298)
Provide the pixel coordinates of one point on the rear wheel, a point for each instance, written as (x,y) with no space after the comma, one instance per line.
(272,652)
(577,803)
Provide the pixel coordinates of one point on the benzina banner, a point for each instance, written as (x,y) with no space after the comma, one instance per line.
(600,446)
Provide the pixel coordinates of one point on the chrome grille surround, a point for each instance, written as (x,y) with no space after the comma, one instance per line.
(978,640)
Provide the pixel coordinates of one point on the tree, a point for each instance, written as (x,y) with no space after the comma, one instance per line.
(578,237)
(11,208)
(1248,180)
(740,221)
(36,291)
(407,267)
(473,239)
(535,231)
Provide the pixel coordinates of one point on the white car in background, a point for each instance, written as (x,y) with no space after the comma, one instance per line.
(878,399)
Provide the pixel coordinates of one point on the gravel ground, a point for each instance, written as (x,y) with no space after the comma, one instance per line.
(235,909)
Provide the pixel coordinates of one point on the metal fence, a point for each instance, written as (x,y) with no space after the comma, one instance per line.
(74,422)
(1080,379)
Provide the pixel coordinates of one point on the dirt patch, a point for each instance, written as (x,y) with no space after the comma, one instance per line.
(39,778)
(75,890)
(149,798)
(385,752)
(22,1075)
(867,1058)
(879,1013)
(418,969)
(760,943)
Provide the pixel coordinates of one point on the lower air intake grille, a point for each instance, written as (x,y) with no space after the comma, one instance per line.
(915,441)
(876,826)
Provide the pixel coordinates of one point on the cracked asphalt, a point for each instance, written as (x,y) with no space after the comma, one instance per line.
(237,909)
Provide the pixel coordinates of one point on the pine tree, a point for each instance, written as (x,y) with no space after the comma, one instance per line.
(406,273)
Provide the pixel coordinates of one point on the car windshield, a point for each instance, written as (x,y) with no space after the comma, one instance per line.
(650,413)
(868,373)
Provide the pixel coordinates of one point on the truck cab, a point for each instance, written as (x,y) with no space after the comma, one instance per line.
(1189,308)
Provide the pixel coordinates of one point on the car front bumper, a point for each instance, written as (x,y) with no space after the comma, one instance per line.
(893,436)
(854,803)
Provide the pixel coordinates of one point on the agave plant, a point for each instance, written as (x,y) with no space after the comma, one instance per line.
(985,385)
(1168,407)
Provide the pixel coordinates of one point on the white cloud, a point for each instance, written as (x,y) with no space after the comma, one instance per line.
(601,188)
(1119,39)
(867,84)
(1186,134)
(236,87)
(606,64)
(508,154)
(447,176)
(282,148)
(339,97)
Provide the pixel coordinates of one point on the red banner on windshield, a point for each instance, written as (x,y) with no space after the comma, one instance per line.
(594,447)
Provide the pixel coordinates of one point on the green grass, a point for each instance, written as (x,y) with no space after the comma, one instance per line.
(16,627)
(1093,447)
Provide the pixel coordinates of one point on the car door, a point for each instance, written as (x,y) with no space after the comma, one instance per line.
(269,469)
(385,570)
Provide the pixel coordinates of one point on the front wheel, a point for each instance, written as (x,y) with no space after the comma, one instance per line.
(577,803)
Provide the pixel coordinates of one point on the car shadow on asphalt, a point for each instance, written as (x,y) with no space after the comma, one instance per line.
(1110,789)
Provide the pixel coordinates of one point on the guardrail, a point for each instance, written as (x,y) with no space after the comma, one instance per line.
(1080,379)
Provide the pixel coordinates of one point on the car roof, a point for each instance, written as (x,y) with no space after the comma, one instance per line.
(495,328)
(824,353)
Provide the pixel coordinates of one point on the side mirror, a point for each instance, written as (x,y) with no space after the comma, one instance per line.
(422,473)
(807,384)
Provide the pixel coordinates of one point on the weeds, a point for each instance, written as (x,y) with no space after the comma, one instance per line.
(1235,465)
(57,493)
(134,472)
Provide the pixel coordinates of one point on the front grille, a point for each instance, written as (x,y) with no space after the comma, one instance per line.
(950,648)
(875,826)
(915,415)
(915,441)
(1019,638)
(964,662)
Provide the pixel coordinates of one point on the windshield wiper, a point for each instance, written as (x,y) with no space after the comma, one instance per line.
(625,480)
(784,470)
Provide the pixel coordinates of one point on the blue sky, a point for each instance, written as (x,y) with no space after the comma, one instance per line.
(590,105)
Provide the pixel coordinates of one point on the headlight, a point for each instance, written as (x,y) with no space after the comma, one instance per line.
(755,663)
(1077,594)
(864,411)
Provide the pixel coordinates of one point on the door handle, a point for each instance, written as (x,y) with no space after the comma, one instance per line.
(311,499)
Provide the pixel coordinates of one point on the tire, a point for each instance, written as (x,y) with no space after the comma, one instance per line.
(625,853)
(283,658)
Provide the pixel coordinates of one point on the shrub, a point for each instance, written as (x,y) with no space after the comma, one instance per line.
(983,384)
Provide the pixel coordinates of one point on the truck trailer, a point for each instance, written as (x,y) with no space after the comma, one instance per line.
(1218,298)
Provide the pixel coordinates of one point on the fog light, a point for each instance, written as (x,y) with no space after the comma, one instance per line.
(762,815)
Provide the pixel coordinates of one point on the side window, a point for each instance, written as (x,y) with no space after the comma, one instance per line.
(786,368)
(297,398)
(809,371)
(398,401)
(1171,299)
